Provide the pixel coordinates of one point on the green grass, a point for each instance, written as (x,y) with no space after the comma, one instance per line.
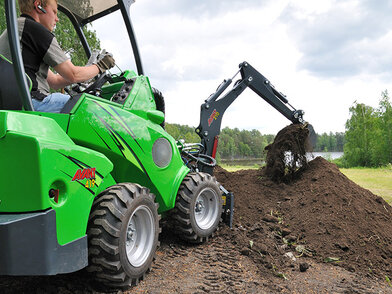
(233,168)
(377,180)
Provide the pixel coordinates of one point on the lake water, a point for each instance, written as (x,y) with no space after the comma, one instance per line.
(326,155)
(259,161)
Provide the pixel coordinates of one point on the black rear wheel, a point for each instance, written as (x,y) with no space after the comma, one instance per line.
(123,234)
(198,207)
(159,102)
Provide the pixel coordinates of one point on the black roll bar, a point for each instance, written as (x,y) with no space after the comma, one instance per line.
(78,28)
(124,7)
(125,11)
(17,60)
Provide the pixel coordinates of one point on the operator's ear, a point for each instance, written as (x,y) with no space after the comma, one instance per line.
(38,7)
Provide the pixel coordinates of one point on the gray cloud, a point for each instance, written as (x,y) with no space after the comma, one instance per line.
(343,42)
(176,28)
(201,8)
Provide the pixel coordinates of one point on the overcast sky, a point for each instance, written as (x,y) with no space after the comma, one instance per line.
(323,55)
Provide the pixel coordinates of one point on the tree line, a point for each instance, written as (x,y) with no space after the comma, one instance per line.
(330,142)
(233,143)
(239,144)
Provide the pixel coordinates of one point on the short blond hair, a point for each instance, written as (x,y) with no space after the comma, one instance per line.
(26,6)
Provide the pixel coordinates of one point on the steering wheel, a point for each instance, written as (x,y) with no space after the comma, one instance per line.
(95,86)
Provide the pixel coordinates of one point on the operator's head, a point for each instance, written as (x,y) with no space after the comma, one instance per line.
(43,11)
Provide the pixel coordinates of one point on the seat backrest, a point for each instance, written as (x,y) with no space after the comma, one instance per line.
(9,95)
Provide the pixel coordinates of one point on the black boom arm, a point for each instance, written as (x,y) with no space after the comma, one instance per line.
(212,110)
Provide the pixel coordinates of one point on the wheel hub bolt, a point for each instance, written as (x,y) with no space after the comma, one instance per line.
(199,206)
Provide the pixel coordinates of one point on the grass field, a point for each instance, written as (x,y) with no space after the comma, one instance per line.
(377,180)
(233,168)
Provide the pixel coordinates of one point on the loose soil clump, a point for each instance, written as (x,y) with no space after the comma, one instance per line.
(287,154)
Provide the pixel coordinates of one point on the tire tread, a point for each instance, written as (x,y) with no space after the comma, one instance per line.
(108,212)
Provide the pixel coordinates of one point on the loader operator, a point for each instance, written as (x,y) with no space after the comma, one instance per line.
(40,50)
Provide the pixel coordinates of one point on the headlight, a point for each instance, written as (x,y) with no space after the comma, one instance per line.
(162,152)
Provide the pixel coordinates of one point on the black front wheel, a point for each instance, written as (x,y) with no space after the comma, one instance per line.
(123,234)
(198,207)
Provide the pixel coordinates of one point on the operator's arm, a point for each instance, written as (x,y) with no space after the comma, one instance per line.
(69,74)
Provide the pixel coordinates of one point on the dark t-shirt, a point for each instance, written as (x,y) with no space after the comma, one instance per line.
(40,50)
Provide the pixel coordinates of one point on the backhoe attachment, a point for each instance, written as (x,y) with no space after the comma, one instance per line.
(212,110)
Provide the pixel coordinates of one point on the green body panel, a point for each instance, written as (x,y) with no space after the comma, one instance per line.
(141,97)
(36,156)
(109,90)
(61,119)
(126,136)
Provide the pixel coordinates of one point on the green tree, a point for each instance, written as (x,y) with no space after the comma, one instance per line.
(360,133)
(382,151)
(244,150)
(3,24)
(257,144)
(184,132)
(323,143)
(69,40)
(340,139)
(173,130)
(332,142)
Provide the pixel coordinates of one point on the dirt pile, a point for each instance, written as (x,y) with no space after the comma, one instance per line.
(287,154)
(322,215)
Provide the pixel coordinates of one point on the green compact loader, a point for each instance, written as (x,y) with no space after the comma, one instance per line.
(86,188)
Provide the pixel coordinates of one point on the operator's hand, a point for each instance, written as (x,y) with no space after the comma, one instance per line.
(105,61)
(93,58)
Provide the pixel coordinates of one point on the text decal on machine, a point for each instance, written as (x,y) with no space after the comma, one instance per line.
(214,115)
(87,173)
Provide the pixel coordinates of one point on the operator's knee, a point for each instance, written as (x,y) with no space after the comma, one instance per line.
(51,103)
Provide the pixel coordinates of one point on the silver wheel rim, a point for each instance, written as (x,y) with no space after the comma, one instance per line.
(140,236)
(206,208)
